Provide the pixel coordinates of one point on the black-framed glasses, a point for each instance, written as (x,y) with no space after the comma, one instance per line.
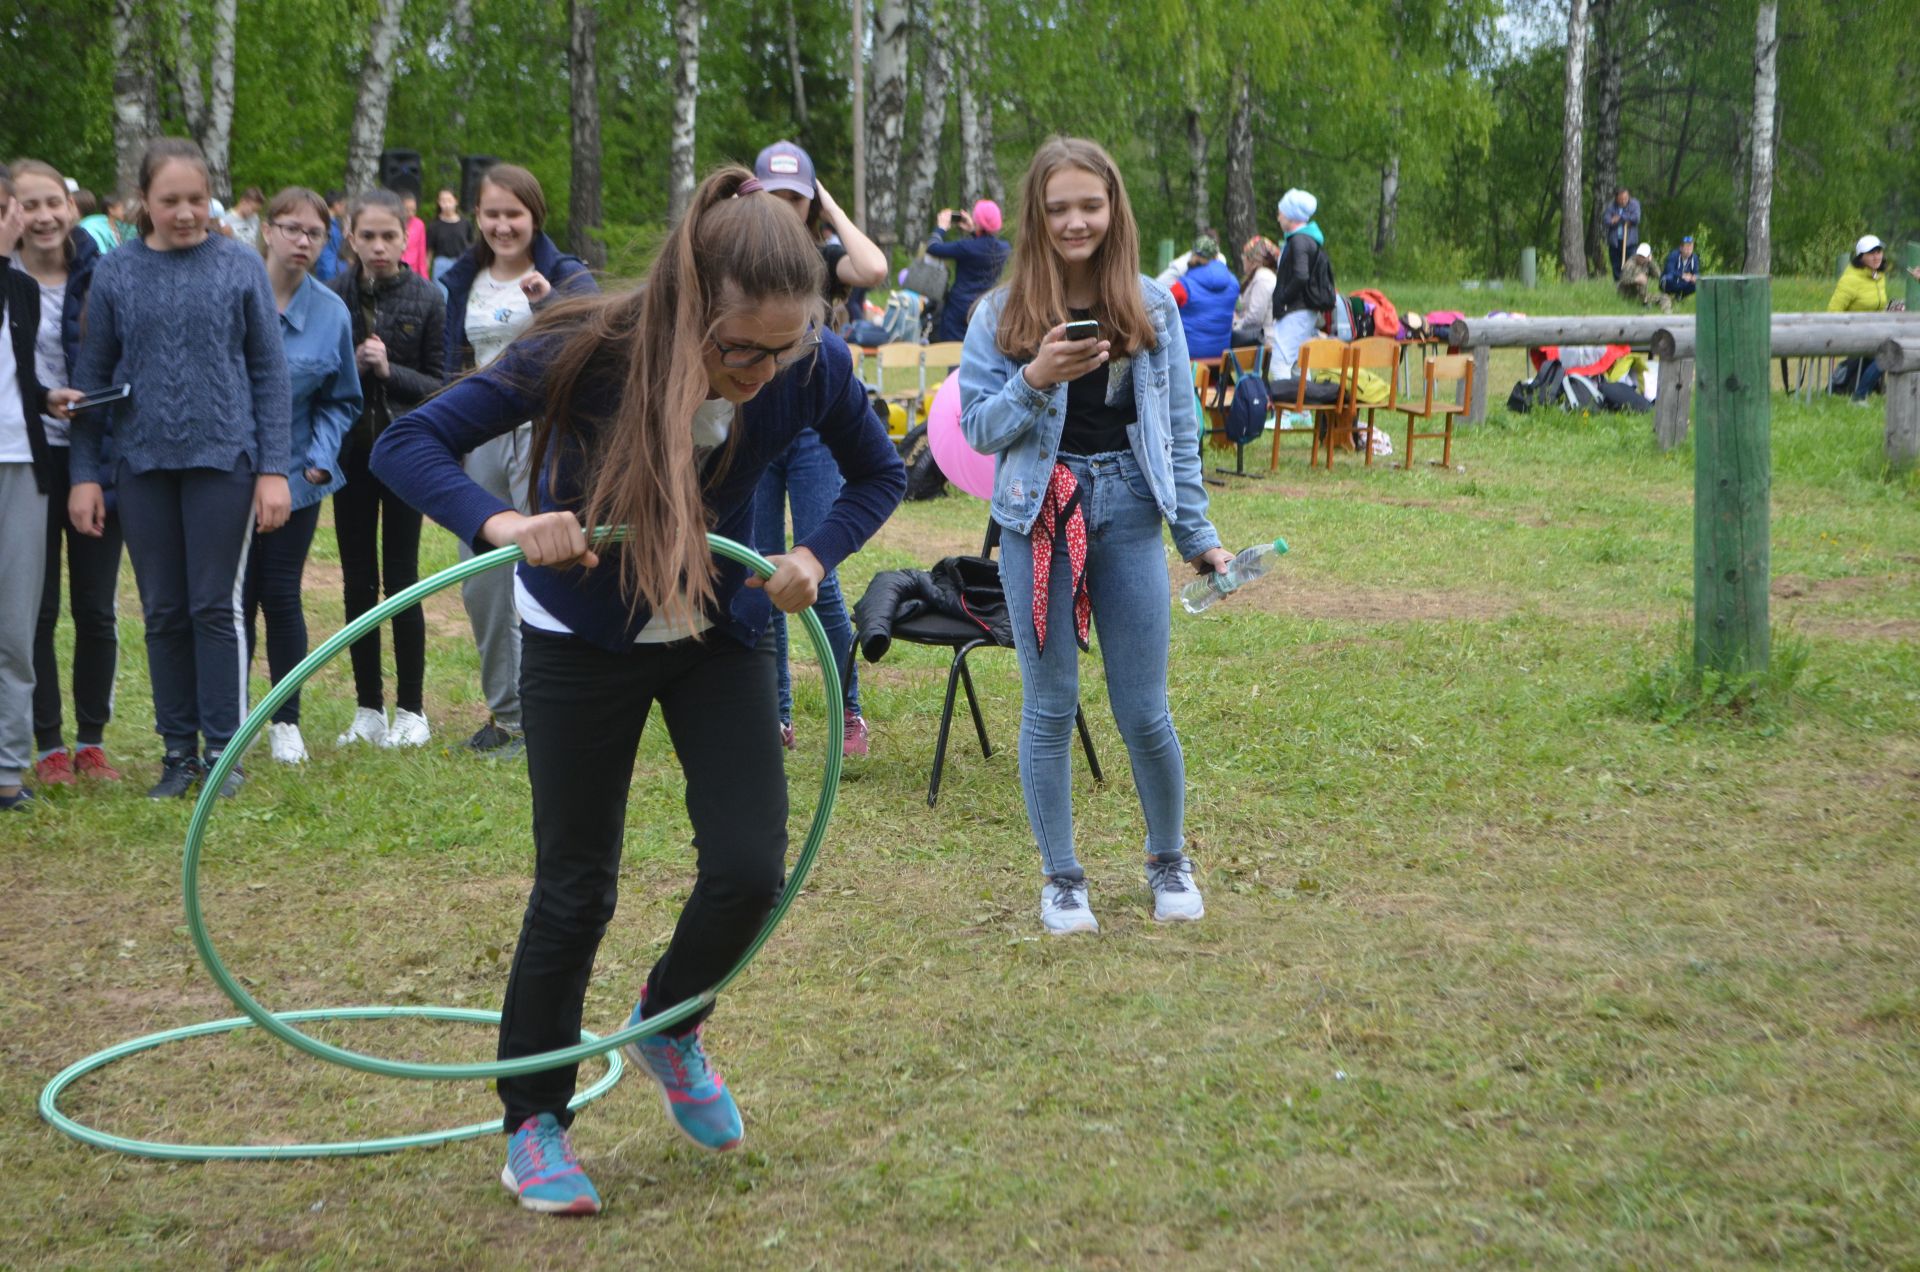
(299,232)
(742,357)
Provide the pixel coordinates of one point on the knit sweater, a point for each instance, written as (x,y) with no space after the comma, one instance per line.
(196,334)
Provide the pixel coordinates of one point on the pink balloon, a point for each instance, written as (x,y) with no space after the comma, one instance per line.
(964,466)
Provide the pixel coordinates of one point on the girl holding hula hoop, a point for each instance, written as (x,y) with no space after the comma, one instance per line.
(186,317)
(398,339)
(318,337)
(1097,446)
(657,410)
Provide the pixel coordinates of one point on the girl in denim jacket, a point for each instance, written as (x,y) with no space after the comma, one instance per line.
(1096,446)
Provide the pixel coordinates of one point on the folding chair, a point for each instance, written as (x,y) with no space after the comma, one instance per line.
(902,355)
(1315,355)
(1457,370)
(962,638)
(1380,355)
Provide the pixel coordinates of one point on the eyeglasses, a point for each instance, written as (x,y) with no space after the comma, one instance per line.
(300,232)
(741,357)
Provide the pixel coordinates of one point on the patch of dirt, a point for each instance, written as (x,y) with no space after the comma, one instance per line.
(1793,587)
(1298,599)
(927,544)
(446,617)
(1861,628)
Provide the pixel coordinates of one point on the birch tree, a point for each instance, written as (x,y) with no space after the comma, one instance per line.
(934,74)
(460,33)
(794,69)
(1573,256)
(686,102)
(1607,57)
(886,122)
(133,115)
(208,99)
(367,136)
(1241,216)
(1766,47)
(583,206)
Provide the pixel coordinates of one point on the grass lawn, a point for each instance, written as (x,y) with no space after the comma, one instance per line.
(1497,968)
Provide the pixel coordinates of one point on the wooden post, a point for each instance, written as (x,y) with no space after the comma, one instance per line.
(1529,268)
(1477,407)
(1166,256)
(1732,476)
(1671,406)
(1900,359)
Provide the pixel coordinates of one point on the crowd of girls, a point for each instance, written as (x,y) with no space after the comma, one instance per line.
(523,408)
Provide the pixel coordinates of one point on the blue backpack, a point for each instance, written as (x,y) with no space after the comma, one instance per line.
(1247,413)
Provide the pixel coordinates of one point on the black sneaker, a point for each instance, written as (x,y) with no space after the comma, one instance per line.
(491,737)
(21,799)
(235,779)
(178,773)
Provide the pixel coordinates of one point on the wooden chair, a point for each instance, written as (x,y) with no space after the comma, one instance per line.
(1315,355)
(1455,370)
(937,362)
(902,355)
(1211,419)
(1381,356)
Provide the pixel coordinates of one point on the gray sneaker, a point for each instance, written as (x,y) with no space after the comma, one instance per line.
(1176,898)
(1064,908)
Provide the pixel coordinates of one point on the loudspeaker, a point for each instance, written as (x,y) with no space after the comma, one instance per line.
(400,171)
(472,168)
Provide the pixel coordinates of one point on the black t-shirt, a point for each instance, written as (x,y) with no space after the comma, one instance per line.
(448,238)
(1095,427)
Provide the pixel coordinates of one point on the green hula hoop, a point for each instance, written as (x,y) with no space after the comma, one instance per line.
(279,1024)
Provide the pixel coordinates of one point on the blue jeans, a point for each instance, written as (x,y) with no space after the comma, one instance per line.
(1133,615)
(1871,373)
(807,478)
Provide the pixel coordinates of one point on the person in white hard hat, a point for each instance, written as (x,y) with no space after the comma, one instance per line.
(1639,281)
(1862,289)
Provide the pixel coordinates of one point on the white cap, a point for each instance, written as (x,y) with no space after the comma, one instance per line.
(1644,250)
(1867,244)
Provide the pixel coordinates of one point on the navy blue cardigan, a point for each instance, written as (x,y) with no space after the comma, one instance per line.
(568,276)
(418,457)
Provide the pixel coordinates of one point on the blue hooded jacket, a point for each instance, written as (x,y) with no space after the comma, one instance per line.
(567,274)
(1208,314)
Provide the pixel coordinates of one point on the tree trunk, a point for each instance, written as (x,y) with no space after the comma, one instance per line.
(216,134)
(886,121)
(1242,217)
(793,69)
(1197,170)
(367,136)
(686,100)
(193,93)
(460,30)
(1766,45)
(133,120)
(1607,57)
(983,98)
(1573,220)
(1389,225)
(972,178)
(933,122)
(583,205)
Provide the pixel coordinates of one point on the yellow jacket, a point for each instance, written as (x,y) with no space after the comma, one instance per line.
(1859,291)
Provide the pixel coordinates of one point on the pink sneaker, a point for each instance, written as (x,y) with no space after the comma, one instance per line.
(856,737)
(786,735)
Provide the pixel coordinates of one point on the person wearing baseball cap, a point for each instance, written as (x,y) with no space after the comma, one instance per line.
(853,259)
(978,253)
(1681,274)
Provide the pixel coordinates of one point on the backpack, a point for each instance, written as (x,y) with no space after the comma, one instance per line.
(902,317)
(1321,291)
(1247,413)
(1365,321)
(1544,389)
(928,277)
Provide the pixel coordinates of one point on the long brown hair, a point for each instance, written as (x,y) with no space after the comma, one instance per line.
(286,201)
(729,252)
(519,183)
(1036,282)
(158,154)
(36,168)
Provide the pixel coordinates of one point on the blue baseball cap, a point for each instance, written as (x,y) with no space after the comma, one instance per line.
(784,166)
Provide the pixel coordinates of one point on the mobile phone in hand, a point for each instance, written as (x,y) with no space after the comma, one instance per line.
(1084,329)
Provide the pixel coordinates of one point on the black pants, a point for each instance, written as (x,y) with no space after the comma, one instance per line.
(275,565)
(93,581)
(187,531)
(584,712)
(1248,337)
(369,551)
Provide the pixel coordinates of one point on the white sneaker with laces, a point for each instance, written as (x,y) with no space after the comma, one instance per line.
(1176,898)
(409,728)
(368,726)
(1064,908)
(286,744)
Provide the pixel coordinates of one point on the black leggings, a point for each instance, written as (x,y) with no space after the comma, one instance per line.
(93,581)
(369,550)
(584,712)
(276,563)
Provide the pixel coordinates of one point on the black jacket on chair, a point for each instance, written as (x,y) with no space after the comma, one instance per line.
(965,589)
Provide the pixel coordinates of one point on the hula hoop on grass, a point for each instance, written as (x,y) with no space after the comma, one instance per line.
(278,1024)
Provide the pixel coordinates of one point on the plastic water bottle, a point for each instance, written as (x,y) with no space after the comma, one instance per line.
(1245,568)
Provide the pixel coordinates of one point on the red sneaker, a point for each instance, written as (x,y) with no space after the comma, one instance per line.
(91,762)
(855,745)
(55,770)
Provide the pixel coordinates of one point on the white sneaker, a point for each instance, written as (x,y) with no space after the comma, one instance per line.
(409,728)
(287,745)
(1176,898)
(1064,908)
(368,726)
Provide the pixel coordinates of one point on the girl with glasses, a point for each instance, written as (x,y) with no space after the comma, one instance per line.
(318,339)
(657,410)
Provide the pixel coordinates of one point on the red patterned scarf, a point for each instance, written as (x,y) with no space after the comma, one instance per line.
(1061,520)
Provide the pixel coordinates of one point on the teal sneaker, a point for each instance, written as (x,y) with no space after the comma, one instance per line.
(696,1096)
(544,1174)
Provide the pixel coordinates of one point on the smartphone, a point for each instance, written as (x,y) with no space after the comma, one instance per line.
(102,397)
(1085,329)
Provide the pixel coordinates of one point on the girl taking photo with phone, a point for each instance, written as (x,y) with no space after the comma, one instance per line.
(657,410)
(399,344)
(318,339)
(1097,448)
(61,263)
(187,318)
(512,270)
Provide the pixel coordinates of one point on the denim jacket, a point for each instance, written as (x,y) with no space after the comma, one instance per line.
(1002,415)
(326,387)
